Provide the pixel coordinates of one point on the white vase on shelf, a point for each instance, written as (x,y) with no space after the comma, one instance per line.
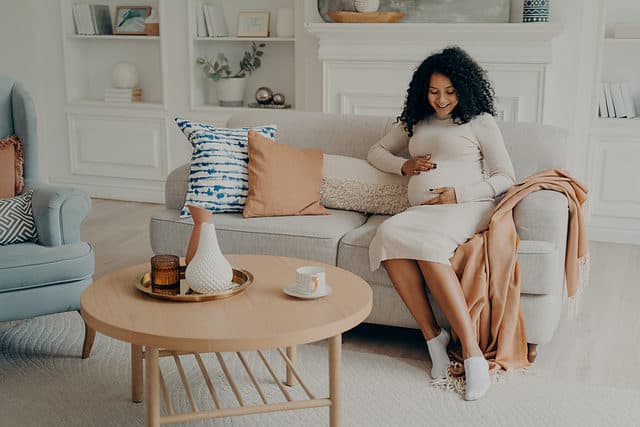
(366,5)
(230,91)
(209,271)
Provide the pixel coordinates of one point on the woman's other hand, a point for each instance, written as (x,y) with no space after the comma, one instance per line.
(418,164)
(445,195)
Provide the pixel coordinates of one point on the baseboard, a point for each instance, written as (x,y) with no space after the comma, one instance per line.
(133,193)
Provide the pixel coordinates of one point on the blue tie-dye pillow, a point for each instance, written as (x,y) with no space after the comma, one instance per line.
(218,179)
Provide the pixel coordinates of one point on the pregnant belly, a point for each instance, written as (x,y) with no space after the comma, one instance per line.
(448,174)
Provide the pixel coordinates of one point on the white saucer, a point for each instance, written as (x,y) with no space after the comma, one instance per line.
(291,291)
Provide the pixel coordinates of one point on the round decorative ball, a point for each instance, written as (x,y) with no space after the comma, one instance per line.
(124,75)
(278,99)
(264,95)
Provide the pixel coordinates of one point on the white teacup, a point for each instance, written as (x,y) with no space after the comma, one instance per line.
(311,281)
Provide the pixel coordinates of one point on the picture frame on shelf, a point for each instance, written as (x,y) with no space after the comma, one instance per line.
(253,24)
(129,20)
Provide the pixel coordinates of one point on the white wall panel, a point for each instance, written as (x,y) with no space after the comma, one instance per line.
(120,147)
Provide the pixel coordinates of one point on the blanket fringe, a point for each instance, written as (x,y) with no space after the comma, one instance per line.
(573,303)
(459,385)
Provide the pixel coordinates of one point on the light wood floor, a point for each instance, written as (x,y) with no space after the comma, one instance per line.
(601,347)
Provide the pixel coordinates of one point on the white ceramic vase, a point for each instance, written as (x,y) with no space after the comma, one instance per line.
(230,91)
(366,5)
(209,271)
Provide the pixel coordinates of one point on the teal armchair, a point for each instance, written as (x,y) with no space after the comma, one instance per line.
(46,276)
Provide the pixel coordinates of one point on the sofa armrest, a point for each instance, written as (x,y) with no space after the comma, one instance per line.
(543,215)
(175,190)
(58,213)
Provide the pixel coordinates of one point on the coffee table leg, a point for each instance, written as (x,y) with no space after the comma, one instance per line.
(152,386)
(335,361)
(137,389)
(291,354)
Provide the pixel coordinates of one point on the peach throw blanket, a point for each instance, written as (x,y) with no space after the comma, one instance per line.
(490,276)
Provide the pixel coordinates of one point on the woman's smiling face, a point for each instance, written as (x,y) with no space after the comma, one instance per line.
(442,96)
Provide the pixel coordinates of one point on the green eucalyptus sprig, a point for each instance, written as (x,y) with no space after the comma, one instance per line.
(218,68)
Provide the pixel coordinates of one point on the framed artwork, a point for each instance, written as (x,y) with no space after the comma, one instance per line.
(253,24)
(129,20)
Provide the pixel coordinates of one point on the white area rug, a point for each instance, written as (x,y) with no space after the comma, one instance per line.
(43,382)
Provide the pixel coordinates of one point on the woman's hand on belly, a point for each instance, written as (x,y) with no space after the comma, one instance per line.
(445,195)
(418,164)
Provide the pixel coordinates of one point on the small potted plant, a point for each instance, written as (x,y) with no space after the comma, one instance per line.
(229,86)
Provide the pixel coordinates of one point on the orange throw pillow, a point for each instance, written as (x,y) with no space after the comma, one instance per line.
(11,159)
(283,180)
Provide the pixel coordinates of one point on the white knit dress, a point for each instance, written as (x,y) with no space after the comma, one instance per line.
(471,158)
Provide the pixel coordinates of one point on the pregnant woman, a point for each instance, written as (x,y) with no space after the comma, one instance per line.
(458,166)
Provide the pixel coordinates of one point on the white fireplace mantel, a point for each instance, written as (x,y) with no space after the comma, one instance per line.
(518,42)
(366,67)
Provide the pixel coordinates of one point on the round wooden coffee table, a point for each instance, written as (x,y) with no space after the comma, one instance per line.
(262,317)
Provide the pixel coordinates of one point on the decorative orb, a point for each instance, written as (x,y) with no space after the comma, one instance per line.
(264,95)
(278,99)
(124,75)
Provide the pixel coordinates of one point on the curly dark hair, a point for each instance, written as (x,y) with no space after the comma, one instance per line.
(474,90)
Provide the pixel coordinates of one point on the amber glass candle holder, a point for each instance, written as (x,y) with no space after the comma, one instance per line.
(165,274)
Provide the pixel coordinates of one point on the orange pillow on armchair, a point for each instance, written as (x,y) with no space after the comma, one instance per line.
(11,160)
(283,180)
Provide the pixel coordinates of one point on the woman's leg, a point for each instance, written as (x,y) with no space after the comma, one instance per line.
(445,288)
(407,279)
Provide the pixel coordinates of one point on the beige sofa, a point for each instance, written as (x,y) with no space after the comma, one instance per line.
(343,237)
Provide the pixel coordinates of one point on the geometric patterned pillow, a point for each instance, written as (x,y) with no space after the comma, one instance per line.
(16,219)
(218,177)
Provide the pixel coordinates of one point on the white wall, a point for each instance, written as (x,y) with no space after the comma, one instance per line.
(21,56)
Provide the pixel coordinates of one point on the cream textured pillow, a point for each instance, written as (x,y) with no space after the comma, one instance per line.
(354,184)
(283,180)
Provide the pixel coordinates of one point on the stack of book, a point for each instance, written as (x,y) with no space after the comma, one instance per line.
(113,94)
(210,21)
(616,100)
(92,19)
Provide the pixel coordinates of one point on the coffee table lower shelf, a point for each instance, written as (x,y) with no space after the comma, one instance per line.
(155,387)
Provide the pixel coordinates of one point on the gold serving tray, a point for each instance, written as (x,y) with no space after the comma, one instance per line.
(241,278)
(359,17)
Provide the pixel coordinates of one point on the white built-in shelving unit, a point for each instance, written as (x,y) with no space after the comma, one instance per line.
(89,60)
(614,143)
(278,62)
(126,150)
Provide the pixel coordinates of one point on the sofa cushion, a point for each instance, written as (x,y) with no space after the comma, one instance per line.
(539,261)
(283,180)
(218,175)
(28,265)
(308,237)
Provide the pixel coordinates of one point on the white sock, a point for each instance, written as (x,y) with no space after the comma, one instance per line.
(438,351)
(477,377)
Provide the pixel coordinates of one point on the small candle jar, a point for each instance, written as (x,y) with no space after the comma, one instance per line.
(165,274)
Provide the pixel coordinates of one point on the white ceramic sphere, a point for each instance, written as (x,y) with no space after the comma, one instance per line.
(366,5)
(124,75)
